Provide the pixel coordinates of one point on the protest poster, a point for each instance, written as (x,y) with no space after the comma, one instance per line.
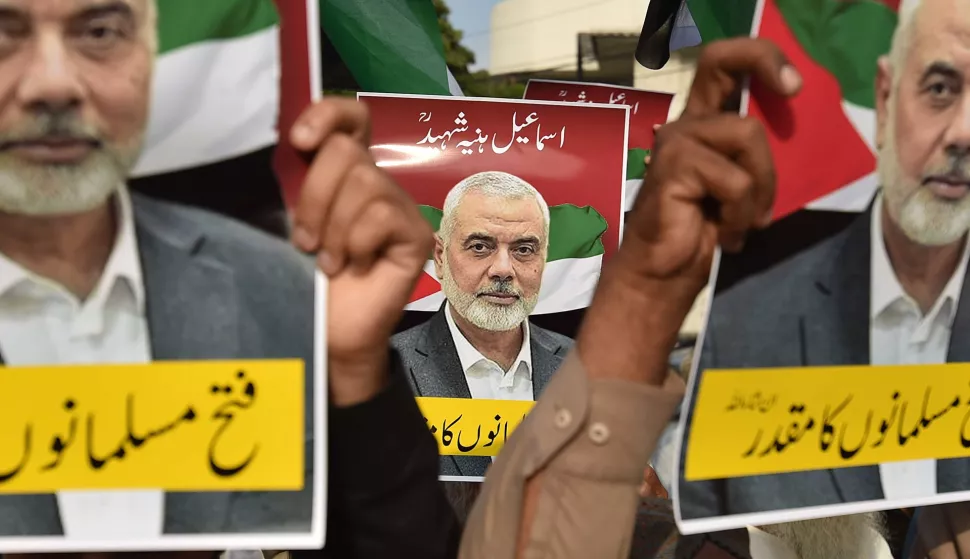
(647,109)
(153,396)
(526,198)
(833,375)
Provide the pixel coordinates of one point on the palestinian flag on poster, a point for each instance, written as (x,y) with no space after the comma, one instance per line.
(390,46)
(835,44)
(225,82)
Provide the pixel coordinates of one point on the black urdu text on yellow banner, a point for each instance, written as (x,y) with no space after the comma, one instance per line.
(471,427)
(176,426)
(765,421)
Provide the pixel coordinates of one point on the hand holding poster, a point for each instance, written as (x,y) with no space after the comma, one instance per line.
(527,201)
(872,314)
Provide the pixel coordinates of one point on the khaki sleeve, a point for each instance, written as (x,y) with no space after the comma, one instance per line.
(592,440)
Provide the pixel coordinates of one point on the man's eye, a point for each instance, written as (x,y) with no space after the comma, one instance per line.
(101,34)
(479,247)
(525,250)
(940,91)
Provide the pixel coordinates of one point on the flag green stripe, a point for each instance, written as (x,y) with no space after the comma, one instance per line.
(847,38)
(574,231)
(722,19)
(186,22)
(390,46)
(635,165)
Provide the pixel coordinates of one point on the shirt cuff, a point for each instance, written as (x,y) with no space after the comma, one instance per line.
(591,440)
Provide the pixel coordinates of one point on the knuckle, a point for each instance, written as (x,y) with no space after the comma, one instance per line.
(344,146)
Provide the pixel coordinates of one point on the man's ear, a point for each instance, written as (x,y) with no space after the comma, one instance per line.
(439,256)
(884,89)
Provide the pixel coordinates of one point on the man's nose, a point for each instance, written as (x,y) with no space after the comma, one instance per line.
(501,266)
(51,81)
(958,133)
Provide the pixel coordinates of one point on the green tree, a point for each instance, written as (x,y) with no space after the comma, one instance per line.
(459,58)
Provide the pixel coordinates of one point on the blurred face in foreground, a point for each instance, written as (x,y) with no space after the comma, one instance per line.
(75,78)
(491,264)
(923,102)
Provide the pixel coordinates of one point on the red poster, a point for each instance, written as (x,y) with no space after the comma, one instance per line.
(647,108)
(573,155)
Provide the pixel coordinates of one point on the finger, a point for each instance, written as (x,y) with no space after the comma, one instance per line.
(387,228)
(711,175)
(364,185)
(744,140)
(338,156)
(958,517)
(933,536)
(330,116)
(724,65)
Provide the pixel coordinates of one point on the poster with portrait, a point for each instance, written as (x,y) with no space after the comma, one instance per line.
(154,397)
(526,198)
(832,377)
(647,109)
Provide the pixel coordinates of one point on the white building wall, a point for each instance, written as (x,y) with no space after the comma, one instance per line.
(532,35)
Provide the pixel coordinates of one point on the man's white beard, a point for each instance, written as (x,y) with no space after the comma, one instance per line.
(923,218)
(483,314)
(837,537)
(32,189)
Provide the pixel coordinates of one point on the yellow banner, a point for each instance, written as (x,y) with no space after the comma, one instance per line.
(470,427)
(764,421)
(176,426)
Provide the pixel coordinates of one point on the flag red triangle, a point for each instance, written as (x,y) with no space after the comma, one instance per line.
(802,131)
(427,285)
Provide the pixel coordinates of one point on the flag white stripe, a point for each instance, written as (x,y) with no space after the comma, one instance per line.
(228,108)
(630,193)
(567,285)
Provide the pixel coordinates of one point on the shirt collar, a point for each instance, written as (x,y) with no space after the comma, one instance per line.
(123,263)
(886,288)
(469,356)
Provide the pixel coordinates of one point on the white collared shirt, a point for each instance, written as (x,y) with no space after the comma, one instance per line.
(900,334)
(42,323)
(486,379)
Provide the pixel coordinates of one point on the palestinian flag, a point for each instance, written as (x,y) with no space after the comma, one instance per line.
(835,44)
(223,73)
(390,46)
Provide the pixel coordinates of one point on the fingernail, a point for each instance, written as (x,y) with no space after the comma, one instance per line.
(303,239)
(303,133)
(326,262)
(791,80)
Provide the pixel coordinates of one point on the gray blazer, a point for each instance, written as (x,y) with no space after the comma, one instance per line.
(811,310)
(434,370)
(215,289)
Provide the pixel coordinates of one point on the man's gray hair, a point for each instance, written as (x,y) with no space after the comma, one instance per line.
(490,183)
(903,36)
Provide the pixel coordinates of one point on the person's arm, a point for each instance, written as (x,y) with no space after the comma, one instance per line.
(384,496)
(372,242)
(566,484)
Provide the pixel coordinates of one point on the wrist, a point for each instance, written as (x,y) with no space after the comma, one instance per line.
(633,324)
(354,380)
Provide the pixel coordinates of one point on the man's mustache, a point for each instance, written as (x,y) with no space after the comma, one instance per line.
(499,288)
(956,172)
(50,127)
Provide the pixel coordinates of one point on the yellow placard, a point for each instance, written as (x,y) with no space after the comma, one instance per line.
(176,426)
(470,427)
(764,421)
